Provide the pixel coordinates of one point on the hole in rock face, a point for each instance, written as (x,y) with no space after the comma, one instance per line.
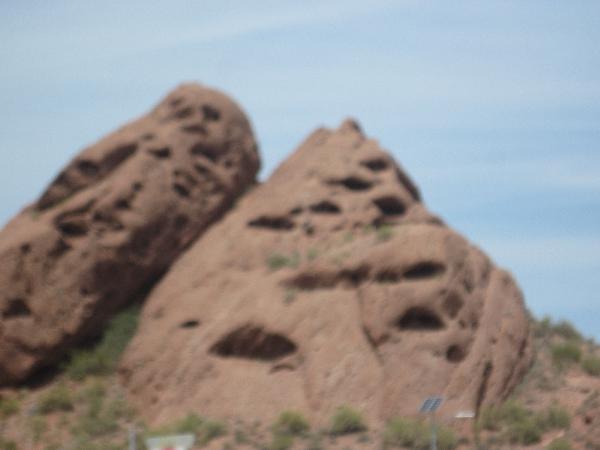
(376,164)
(388,276)
(355,276)
(160,153)
(353,183)
(117,156)
(455,354)
(418,318)
(390,206)
(201,149)
(424,270)
(211,113)
(16,308)
(181,190)
(452,304)
(190,324)
(253,342)
(272,222)
(194,129)
(325,207)
(87,168)
(72,227)
(184,113)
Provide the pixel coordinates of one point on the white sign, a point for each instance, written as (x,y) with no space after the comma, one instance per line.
(175,442)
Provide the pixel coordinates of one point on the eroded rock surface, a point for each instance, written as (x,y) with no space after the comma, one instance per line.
(331,284)
(114,220)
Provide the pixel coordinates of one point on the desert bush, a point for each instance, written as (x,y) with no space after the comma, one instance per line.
(210,430)
(565,354)
(103,358)
(559,444)
(401,432)
(7,445)
(204,430)
(281,442)
(520,425)
(37,427)
(526,432)
(278,261)
(346,420)
(555,417)
(292,423)
(591,365)
(566,330)
(56,399)
(384,233)
(8,407)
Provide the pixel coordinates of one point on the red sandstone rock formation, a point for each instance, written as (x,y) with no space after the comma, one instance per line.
(114,220)
(331,284)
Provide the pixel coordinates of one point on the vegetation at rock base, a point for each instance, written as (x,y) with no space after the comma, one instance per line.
(347,420)
(416,434)
(103,358)
(292,423)
(56,399)
(8,407)
(591,365)
(565,354)
(559,444)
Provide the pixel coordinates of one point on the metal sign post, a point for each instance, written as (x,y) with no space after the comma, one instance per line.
(132,442)
(430,406)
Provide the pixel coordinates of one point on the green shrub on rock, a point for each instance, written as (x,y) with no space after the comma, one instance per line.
(346,421)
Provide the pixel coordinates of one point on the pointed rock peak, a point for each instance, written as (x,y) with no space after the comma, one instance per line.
(350,125)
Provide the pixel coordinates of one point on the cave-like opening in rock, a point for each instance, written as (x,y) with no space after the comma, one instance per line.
(419,318)
(253,342)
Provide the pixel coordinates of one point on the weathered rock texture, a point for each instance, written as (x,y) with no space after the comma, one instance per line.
(114,220)
(329,285)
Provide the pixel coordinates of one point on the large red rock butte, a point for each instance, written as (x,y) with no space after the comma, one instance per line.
(330,284)
(114,220)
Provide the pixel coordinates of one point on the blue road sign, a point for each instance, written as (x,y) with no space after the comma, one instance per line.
(431,404)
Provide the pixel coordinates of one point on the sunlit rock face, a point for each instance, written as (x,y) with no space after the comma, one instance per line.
(114,220)
(330,284)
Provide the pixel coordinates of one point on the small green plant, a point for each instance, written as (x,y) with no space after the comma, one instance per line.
(566,330)
(526,432)
(210,430)
(56,399)
(591,365)
(204,430)
(555,417)
(104,357)
(292,423)
(565,354)
(281,442)
(401,432)
(277,261)
(384,233)
(37,427)
(312,254)
(7,445)
(8,407)
(346,421)
(559,444)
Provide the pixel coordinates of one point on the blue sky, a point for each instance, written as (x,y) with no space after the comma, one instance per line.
(493,107)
